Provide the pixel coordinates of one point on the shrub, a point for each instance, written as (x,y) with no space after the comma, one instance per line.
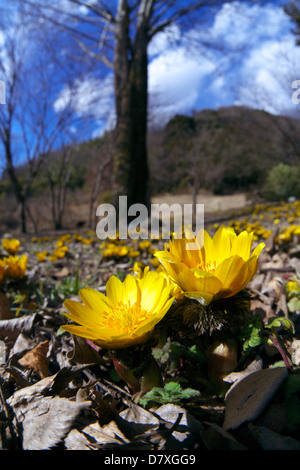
(283,181)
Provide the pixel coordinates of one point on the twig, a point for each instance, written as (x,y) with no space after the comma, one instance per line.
(287,269)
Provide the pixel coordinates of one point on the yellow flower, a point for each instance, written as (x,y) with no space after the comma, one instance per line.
(121,251)
(140,271)
(15,266)
(144,244)
(59,253)
(133,253)
(11,245)
(87,241)
(292,287)
(220,267)
(125,316)
(41,256)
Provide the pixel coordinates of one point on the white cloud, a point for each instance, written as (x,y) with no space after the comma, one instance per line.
(264,55)
(175,82)
(241,24)
(258,71)
(268,74)
(90,97)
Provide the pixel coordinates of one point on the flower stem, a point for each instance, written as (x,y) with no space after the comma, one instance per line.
(280,349)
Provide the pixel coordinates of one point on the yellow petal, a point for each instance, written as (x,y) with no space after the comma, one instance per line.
(229,269)
(131,293)
(114,289)
(242,245)
(93,299)
(81,314)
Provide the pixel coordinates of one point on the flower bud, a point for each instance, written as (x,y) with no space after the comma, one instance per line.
(221,360)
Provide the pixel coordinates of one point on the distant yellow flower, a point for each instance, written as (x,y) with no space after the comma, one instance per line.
(220,268)
(292,287)
(59,253)
(11,245)
(15,266)
(41,256)
(121,251)
(87,241)
(126,316)
(134,253)
(145,244)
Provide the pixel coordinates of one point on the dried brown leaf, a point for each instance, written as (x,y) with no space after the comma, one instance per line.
(64,272)
(247,399)
(216,438)
(36,359)
(270,440)
(96,436)
(46,420)
(11,328)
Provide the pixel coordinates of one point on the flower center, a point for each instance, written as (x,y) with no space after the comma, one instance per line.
(125,318)
(209,267)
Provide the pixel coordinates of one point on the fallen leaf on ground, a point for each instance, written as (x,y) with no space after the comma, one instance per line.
(247,399)
(36,359)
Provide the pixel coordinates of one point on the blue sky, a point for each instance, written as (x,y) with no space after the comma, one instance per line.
(255,66)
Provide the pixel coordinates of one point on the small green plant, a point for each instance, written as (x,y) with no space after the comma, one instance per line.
(173,351)
(170,393)
(70,285)
(255,333)
(293,295)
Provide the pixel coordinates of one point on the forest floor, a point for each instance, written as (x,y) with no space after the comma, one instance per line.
(56,392)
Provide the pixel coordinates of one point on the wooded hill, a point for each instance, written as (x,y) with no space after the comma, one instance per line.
(224,151)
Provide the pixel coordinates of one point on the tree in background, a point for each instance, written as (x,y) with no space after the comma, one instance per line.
(293,10)
(118,33)
(30,128)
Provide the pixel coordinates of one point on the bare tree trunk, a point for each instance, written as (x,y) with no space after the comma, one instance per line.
(19,194)
(58,188)
(22,208)
(131,90)
(194,202)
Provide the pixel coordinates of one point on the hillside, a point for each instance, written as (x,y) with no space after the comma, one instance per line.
(225,150)
(220,152)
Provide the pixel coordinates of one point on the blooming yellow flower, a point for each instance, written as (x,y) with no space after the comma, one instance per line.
(125,316)
(220,267)
(59,253)
(15,266)
(141,271)
(11,245)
